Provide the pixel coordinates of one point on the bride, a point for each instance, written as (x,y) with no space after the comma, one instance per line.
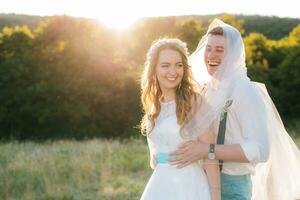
(169,96)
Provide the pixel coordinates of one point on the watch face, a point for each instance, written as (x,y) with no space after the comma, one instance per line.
(211,156)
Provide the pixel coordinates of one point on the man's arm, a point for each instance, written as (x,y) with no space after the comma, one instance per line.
(230,152)
(213,172)
(193,151)
(253,119)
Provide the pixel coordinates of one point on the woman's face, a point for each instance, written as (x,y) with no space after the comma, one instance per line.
(214,53)
(169,70)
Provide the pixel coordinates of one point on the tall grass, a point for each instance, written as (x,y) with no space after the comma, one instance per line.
(66,170)
(72,170)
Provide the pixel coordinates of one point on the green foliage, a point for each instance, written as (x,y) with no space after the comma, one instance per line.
(256,47)
(276,63)
(64,82)
(12,20)
(75,78)
(191,31)
(289,84)
(272,27)
(233,21)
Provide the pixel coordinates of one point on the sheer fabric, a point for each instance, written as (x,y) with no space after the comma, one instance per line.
(278,177)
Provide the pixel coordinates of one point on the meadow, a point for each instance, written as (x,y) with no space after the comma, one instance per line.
(74,170)
(65,170)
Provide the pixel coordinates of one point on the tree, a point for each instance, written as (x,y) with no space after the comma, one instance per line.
(190,31)
(233,21)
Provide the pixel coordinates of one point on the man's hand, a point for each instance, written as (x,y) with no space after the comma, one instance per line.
(189,152)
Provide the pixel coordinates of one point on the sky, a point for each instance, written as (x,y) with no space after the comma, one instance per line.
(122,13)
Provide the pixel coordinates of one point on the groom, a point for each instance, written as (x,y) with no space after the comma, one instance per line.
(246,133)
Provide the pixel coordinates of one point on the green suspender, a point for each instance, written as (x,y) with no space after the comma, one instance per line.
(222,127)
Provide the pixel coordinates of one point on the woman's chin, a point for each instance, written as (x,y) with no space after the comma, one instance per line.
(171,86)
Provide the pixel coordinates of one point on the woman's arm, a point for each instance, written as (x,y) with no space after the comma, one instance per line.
(152,161)
(151,154)
(212,170)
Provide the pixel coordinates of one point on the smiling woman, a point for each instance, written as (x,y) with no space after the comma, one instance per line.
(168,90)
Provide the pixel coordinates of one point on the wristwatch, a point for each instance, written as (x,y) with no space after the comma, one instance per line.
(211,153)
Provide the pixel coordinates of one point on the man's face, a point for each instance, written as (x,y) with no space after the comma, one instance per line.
(214,53)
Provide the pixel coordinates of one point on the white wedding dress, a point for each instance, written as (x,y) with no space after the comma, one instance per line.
(168,182)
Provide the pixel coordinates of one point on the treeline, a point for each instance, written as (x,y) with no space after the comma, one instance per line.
(272,27)
(12,20)
(281,27)
(74,78)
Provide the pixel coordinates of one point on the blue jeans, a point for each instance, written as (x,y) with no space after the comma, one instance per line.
(236,187)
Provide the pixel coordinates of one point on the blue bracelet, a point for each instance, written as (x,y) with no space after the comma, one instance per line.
(162,157)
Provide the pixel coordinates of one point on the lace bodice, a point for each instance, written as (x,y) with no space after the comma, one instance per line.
(165,136)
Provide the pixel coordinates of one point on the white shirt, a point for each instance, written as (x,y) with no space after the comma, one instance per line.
(247,125)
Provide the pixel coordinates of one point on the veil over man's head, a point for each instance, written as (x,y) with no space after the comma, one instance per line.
(219,85)
(234,61)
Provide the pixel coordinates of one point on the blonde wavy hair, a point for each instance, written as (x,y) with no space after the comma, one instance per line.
(151,92)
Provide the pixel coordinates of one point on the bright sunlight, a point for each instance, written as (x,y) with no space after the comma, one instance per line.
(119,15)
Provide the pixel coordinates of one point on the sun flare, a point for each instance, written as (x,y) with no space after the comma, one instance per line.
(113,14)
(118,23)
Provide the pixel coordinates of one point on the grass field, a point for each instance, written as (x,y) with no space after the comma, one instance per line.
(65,170)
